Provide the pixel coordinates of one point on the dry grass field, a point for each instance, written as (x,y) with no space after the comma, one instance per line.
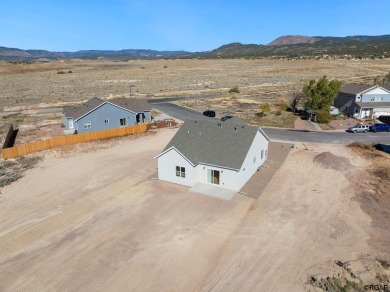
(40,82)
(32,95)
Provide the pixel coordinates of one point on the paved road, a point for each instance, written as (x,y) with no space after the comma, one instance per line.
(179,112)
(279,134)
(276,134)
(170,99)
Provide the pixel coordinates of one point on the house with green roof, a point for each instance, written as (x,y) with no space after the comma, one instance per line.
(224,154)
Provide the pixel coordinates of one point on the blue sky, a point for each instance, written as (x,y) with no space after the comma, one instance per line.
(71,25)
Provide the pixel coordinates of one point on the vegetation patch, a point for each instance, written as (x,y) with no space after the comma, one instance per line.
(12,170)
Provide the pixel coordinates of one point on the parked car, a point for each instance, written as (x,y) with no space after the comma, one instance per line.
(380,128)
(225,118)
(209,113)
(359,129)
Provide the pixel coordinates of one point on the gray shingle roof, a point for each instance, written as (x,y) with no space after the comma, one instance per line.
(217,143)
(132,104)
(373,104)
(76,112)
(354,88)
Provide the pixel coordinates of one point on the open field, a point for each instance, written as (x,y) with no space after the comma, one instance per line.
(32,95)
(40,82)
(91,217)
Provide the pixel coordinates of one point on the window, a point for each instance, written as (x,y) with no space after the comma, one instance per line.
(213,176)
(87,125)
(377,98)
(180,171)
(123,122)
(106,121)
(262,154)
(266,153)
(254,159)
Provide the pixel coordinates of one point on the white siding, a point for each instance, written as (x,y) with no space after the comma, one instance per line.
(167,168)
(228,178)
(377,90)
(258,144)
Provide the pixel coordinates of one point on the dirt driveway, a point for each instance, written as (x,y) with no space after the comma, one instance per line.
(98,221)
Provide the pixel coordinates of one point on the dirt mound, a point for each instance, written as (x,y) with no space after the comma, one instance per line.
(329,160)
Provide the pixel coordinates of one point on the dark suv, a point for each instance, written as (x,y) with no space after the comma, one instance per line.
(380,128)
(209,113)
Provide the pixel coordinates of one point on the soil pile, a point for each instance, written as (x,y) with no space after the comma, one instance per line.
(329,160)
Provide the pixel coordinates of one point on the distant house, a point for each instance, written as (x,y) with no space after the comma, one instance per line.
(225,154)
(363,101)
(97,114)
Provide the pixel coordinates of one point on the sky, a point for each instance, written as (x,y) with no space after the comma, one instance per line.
(189,25)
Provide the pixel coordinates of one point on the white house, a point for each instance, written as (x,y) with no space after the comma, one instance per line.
(226,154)
(363,101)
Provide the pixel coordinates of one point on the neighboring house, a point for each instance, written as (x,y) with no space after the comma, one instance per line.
(226,154)
(97,114)
(363,101)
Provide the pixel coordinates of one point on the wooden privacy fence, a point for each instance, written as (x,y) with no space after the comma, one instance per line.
(28,148)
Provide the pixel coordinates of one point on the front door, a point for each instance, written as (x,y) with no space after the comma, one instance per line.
(213,176)
(71,125)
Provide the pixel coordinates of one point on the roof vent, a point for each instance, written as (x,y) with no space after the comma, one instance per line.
(200,133)
(188,131)
(220,125)
(235,128)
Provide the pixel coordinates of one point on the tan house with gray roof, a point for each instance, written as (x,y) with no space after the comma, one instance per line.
(363,101)
(97,114)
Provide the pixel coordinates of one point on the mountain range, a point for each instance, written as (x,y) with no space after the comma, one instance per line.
(284,46)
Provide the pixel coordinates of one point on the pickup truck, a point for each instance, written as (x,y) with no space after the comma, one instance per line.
(380,128)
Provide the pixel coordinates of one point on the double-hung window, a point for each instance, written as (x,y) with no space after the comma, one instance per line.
(87,125)
(180,171)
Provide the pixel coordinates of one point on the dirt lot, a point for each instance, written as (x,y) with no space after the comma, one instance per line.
(91,218)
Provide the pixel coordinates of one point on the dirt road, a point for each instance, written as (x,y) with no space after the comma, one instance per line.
(98,221)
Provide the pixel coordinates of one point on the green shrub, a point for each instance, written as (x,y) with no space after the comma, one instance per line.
(324,116)
(234,90)
(265,107)
(70,71)
(61,72)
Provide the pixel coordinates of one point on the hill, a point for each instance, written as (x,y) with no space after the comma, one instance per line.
(285,46)
(297,46)
(13,54)
(292,40)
